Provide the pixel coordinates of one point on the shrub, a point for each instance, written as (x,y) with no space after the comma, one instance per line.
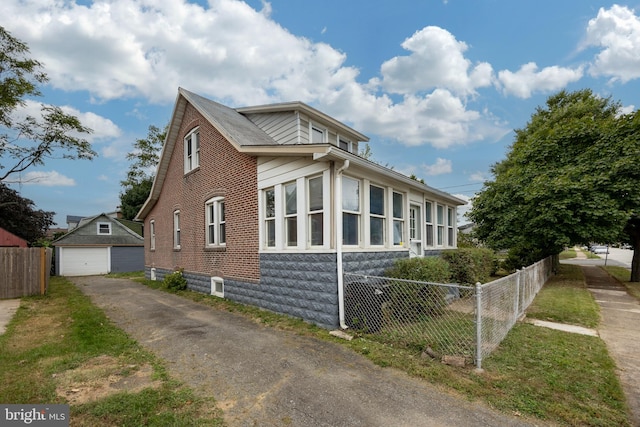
(175,281)
(409,301)
(471,265)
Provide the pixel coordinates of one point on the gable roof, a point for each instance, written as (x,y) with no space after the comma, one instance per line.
(121,235)
(248,138)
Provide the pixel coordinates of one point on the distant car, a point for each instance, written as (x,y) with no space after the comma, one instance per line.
(600,249)
(625,246)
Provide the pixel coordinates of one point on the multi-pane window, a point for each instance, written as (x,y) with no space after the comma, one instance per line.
(291,213)
(270,217)
(176,229)
(376,215)
(350,211)
(192,151)
(104,228)
(414,222)
(216,222)
(398,218)
(440,224)
(428,215)
(317,135)
(152,234)
(316,212)
(450,223)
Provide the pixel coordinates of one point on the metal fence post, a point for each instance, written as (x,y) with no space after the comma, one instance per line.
(478,327)
(517,302)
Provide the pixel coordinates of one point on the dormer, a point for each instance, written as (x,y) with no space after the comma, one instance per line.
(295,123)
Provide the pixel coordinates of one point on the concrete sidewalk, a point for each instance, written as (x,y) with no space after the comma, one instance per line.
(620,331)
(8,308)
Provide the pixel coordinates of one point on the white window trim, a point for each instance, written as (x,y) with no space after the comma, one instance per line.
(451,228)
(152,234)
(314,126)
(108,224)
(440,225)
(385,222)
(216,222)
(349,143)
(195,150)
(176,229)
(215,280)
(429,223)
(358,213)
(394,219)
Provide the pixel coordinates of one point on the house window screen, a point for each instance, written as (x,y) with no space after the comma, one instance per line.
(377,217)
(398,218)
(350,211)
(291,213)
(428,215)
(270,217)
(316,214)
(450,226)
(440,220)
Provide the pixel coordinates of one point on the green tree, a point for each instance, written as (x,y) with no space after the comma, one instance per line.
(140,176)
(570,177)
(28,141)
(19,216)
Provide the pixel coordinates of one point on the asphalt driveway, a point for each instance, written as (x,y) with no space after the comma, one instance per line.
(265,377)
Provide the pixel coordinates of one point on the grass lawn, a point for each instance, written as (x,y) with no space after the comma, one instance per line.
(60,348)
(536,373)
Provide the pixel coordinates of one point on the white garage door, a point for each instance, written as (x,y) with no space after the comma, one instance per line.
(84,261)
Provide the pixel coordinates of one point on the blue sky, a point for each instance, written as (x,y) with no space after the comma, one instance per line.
(438,86)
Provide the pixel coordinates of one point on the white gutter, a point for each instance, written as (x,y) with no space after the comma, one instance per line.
(338,224)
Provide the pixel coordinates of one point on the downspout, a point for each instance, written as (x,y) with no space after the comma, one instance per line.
(338,240)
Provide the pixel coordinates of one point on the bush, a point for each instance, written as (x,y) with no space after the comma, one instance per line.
(175,281)
(471,265)
(409,301)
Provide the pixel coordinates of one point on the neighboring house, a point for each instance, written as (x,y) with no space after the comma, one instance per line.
(10,240)
(467,228)
(268,205)
(99,245)
(73,221)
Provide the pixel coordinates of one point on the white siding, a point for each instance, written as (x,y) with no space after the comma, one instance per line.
(282,127)
(279,170)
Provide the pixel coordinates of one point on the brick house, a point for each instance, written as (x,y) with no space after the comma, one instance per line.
(268,205)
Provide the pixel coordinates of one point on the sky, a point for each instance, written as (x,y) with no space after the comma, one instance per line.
(439,86)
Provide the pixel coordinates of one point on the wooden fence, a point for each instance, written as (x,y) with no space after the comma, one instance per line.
(24,271)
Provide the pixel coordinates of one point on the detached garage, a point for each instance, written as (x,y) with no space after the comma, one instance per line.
(100,245)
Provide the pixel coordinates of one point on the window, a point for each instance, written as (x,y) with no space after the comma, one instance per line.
(291,213)
(317,135)
(350,211)
(104,228)
(152,235)
(270,217)
(176,229)
(192,151)
(377,217)
(345,144)
(428,217)
(440,221)
(217,286)
(215,220)
(398,218)
(316,213)
(450,223)
(414,222)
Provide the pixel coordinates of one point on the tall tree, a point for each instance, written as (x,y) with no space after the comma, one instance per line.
(27,141)
(140,176)
(570,177)
(19,216)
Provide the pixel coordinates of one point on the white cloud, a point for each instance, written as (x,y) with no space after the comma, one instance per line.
(617,32)
(440,167)
(47,179)
(477,177)
(528,79)
(228,51)
(462,210)
(436,61)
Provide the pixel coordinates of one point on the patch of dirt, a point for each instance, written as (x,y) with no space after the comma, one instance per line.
(103,376)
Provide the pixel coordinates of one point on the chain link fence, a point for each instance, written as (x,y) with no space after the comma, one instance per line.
(446,321)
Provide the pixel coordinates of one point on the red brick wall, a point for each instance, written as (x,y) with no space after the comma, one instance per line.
(224,172)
